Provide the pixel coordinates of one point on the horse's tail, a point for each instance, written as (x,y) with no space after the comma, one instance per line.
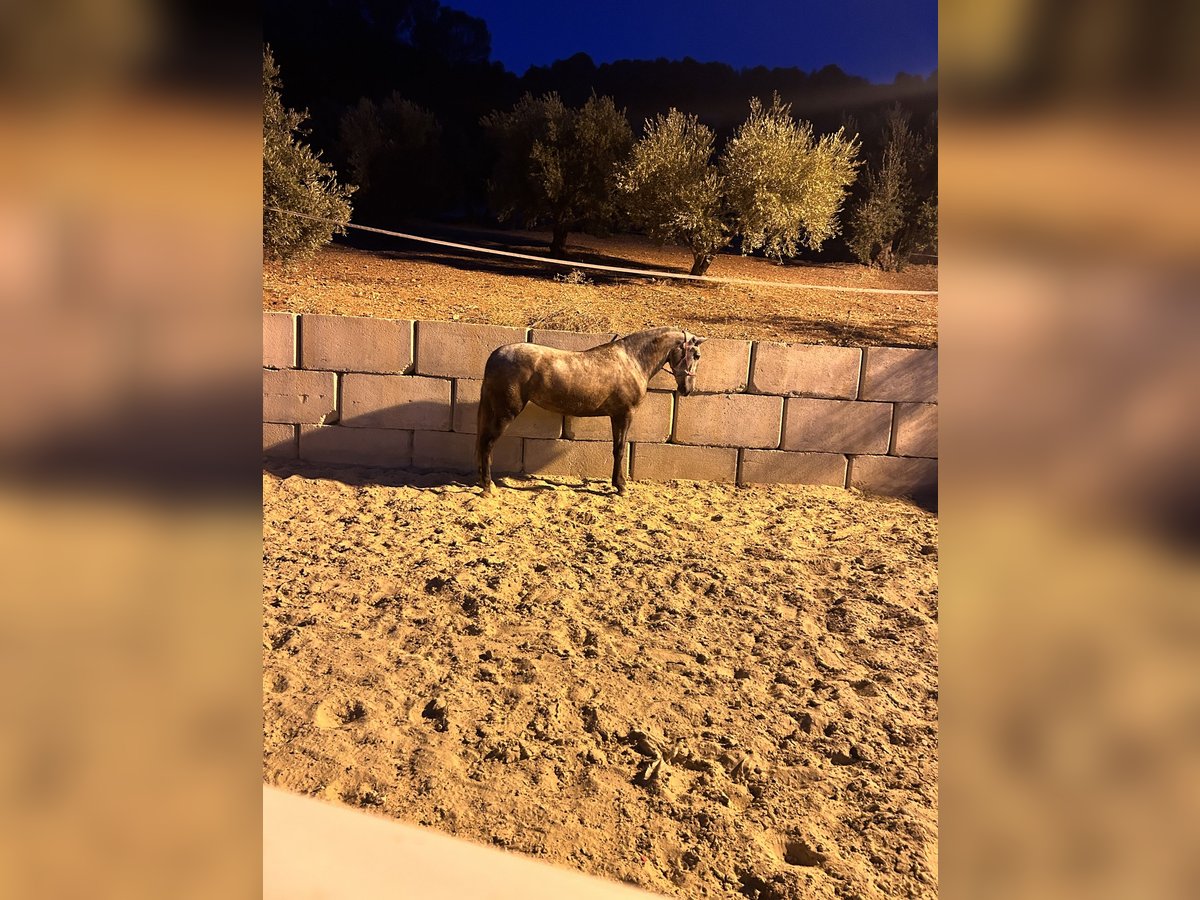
(483,411)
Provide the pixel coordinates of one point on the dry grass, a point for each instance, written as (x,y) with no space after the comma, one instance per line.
(390,278)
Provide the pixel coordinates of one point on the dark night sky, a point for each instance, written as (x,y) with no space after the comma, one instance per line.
(872,38)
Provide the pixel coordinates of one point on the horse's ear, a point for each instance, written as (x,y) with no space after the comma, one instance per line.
(698,340)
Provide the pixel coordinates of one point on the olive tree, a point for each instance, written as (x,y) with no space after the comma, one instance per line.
(395,156)
(556,165)
(784,185)
(294,178)
(672,190)
(898,213)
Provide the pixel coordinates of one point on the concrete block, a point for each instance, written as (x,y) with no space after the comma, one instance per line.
(386,447)
(533,422)
(724,366)
(298,397)
(916,430)
(651,422)
(456,350)
(729,420)
(356,344)
(583,459)
(569,340)
(446,451)
(279,441)
(900,375)
(805,370)
(893,475)
(396,401)
(785,467)
(279,340)
(671,462)
(836,426)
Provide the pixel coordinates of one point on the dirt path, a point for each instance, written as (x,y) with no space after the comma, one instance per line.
(700,689)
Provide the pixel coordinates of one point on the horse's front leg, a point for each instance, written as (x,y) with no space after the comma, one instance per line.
(620,430)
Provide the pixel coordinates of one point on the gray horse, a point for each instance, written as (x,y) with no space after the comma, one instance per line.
(609,380)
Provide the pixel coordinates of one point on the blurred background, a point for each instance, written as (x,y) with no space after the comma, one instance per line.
(1070,490)
(130,180)
(130,266)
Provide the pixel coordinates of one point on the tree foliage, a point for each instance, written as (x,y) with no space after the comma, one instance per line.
(557,165)
(294,178)
(337,51)
(898,213)
(395,157)
(672,190)
(784,186)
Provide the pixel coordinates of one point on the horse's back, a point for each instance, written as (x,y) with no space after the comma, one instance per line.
(520,368)
(508,357)
(533,356)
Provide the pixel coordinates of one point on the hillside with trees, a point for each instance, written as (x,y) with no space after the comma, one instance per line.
(406,104)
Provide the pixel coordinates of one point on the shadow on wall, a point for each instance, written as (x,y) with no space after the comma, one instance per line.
(395,446)
(404,443)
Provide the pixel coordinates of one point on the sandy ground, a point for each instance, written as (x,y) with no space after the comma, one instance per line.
(703,690)
(396,279)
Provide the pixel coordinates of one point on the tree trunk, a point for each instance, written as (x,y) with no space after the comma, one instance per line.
(558,240)
(700,263)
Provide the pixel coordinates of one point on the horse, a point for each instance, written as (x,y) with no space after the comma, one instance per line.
(608,380)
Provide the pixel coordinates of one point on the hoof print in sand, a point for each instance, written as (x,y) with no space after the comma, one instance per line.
(334,713)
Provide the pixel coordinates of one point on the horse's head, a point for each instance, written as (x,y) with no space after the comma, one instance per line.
(683,362)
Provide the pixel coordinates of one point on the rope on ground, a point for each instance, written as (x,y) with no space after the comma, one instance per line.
(596,267)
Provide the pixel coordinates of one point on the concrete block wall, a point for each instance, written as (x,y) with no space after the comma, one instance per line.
(403,394)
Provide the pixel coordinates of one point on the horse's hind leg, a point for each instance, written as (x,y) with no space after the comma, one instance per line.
(497,408)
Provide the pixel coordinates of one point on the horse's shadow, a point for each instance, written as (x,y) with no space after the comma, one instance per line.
(386,446)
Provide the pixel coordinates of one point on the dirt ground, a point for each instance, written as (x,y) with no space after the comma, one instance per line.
(389,278)
(705,690)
